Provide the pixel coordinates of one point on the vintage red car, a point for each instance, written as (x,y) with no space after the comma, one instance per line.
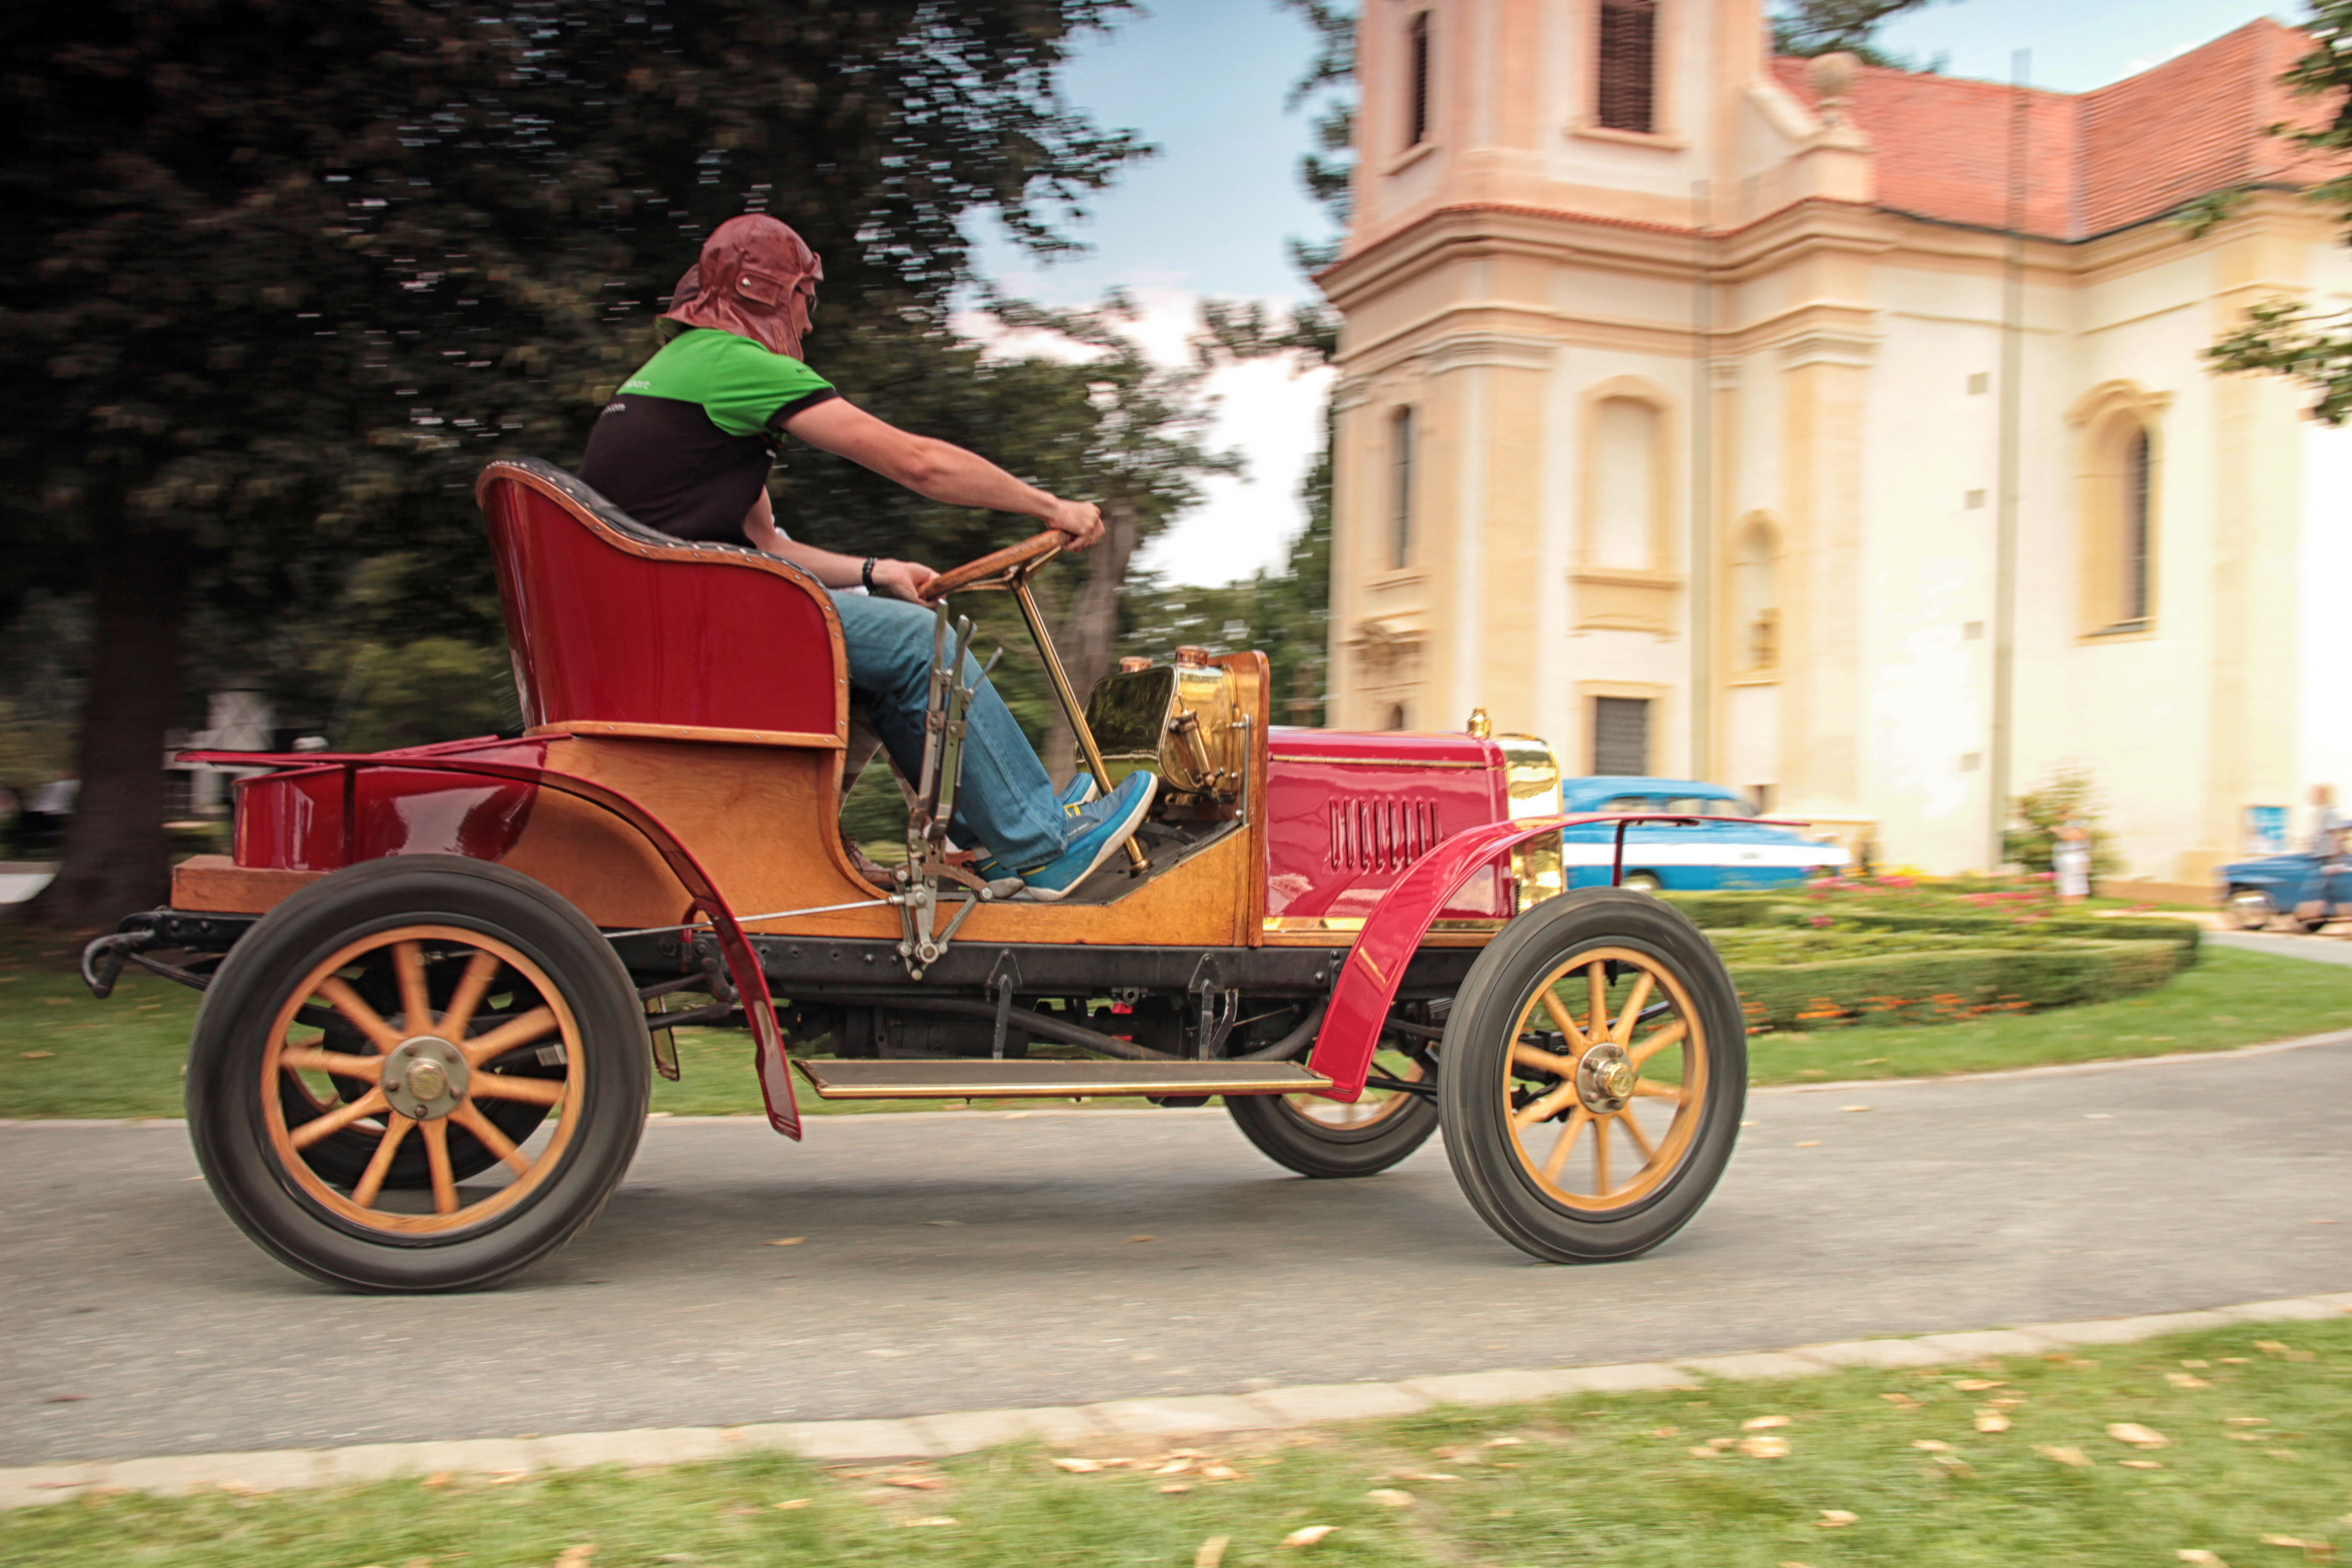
(438,981)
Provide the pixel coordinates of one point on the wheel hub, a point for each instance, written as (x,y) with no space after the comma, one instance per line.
(1605,1077)
(425,1077)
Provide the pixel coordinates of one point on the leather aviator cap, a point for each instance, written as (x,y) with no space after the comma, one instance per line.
(756,278)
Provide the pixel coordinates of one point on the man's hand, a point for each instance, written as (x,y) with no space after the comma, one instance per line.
(902,579)
(1082,521)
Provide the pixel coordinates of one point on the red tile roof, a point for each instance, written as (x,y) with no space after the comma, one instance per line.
(2094,161)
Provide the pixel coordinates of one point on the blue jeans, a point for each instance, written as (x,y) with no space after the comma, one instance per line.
(1004,801)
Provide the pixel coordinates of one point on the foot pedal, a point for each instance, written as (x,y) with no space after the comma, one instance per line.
(981,1079)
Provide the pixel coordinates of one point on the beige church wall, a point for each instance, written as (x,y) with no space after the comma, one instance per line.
(2132,707)
(2324,585)
(1617,301)
(1931,458)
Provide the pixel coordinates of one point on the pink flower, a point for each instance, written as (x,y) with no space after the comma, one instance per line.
(1821,921)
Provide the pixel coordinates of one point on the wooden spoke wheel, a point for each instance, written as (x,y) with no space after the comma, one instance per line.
(424,1073)
(1318,1137)
(1594,1071)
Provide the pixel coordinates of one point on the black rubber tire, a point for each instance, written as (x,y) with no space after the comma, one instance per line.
(1474,1107)
(1312,1149)
(226,1053)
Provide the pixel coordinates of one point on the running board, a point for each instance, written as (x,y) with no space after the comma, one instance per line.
(955,1078)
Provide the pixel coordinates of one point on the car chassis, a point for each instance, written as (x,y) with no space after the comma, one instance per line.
(1352,938)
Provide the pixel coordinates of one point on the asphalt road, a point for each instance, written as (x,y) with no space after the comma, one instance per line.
(961,1261)
(2319,948)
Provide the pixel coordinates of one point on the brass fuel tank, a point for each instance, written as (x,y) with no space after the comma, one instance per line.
(1178,720)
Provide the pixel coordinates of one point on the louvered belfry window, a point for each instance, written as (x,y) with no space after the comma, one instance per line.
(1626,89)
(1416,50)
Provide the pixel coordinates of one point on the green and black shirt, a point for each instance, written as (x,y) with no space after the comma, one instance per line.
(685,444)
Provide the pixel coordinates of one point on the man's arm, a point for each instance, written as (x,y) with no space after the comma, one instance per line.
(938,470)
(898,579)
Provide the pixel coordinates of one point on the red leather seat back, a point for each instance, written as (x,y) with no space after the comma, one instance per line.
(616,630)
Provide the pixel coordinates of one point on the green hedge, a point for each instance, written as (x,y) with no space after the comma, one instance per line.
(1783,986)
(1722,911)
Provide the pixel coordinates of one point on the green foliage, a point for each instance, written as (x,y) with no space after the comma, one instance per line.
(1327,172)
(2283,336)
(1725,912)
(2070,795)
(1826,26)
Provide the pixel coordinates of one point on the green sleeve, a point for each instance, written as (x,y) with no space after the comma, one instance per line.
(748,387)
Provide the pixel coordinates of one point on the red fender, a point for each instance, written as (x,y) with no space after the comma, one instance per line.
(742,964)
(1391,934)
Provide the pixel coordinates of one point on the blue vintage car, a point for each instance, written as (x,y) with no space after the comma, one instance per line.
(2305,890)
(1686,858)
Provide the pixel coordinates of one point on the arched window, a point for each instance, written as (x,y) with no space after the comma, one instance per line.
(2133,534)
(1625,89)
(1400,480)
(1755,598)
(1416,73)
(2119,508)
(1396,717)
(1620,532)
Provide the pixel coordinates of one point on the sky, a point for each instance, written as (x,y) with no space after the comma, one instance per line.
(1206,81)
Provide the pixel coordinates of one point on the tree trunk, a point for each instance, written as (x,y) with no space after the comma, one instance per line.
(1089,631)
(117,858)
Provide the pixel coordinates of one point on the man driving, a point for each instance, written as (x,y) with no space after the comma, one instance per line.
(685,447)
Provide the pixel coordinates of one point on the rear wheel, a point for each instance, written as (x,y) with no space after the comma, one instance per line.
(1318,1137)
(388,1034)
(1592,1075)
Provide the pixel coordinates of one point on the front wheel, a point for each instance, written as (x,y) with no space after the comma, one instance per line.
(1592,1076)
(2250,909)
(418,1002)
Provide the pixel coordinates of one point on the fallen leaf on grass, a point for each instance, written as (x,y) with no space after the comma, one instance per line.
(1835,1519)
(1423,1476)
(2138,1437)
(35,1055)
(1174,1486)
(1175,1467)
(1665,1431)
(2140,1463)
(1900,1401)
(1766,1448)
(786,1241)
(2197,1365)
(791,1503)
(1763,1423)
(1390,1497)
(1212,1553)
(438,1479)
(1307,1535)
(1707,1451)
(2204,1559)
(2317,1547)
(1977,1384)
(2233,1361)
(2074,1457)
(1992,1422)
(1078,1467)
(1505,1442)
(571,1556)
(932,1520)
(2186,1379)
(1221,1473)
(2247,1436)
(2246,1420)
(1931,1445)
(916,1483)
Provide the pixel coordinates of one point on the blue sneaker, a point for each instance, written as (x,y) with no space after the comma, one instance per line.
(1080,791)
(1099,829)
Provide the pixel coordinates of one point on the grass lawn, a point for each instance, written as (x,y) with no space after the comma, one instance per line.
(64,1054)
(2242,1449)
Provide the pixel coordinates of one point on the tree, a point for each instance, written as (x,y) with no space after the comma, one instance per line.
(2286,337)
(285,272)
(2069,796)
(1826,26)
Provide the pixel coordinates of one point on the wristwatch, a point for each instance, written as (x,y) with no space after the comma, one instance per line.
(867,574)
